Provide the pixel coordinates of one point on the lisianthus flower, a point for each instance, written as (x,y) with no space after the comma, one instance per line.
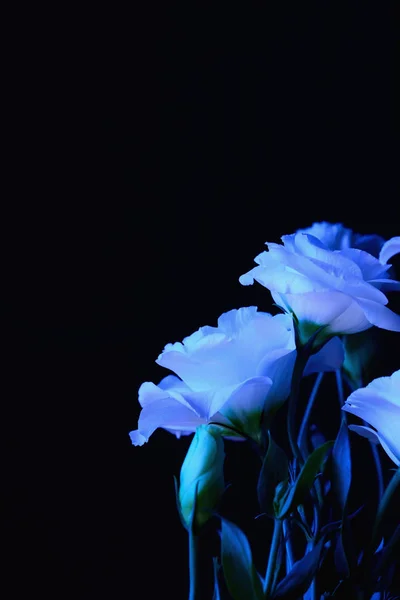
(227,374)
(379,405)
(340,290)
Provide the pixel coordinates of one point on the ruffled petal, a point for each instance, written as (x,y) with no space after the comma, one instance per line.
(334,235)
(389,249)
(370,266)
(387,388)
(379,315)
(351,320)
(246,403)
(248,278)
(376,438)
(165,412)
(278,366)
(205,365)
(229,354)
(386,285)
(381,413)
(330,270)
(366,432)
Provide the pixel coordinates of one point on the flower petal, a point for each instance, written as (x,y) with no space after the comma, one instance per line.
(376,438)
(230,354)
(370,266)
(204,365)
(246,404)
(278,366)
(389,249)
(379,315)
(330,270)
(366,432)
(334,235)
(165,412)
(386,285)
(379,405)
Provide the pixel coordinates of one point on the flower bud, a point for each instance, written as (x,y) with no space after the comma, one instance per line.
(202,474)
(281,492)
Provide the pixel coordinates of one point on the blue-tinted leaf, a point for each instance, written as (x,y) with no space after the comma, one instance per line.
(299,579)
(341,562)
(273,471)
(298,492)
(341,465)
(341,481)
(385,555)
(240,574)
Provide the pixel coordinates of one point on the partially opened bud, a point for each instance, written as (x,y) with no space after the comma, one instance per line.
(202,474)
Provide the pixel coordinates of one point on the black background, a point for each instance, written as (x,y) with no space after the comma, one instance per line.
(156,153)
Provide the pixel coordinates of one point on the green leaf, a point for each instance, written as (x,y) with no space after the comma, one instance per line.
(240,574)
(297,493)
(341,482)
(274,470)
(389,552)
(299,579)
(341,466)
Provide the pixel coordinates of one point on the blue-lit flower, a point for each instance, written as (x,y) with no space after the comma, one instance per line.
(342,290)
(379,405)
(227,374)
(202,475)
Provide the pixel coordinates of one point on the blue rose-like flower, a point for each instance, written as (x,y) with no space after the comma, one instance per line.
(227,374)
(342,290)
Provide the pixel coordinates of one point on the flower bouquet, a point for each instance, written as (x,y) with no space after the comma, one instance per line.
(231,385)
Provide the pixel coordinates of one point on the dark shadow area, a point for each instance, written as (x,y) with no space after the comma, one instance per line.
(160,156)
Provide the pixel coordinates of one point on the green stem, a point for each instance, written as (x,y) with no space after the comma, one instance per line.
(299,366)
(301,440)
(273,553)
(339,383)
(193,545)
(288,545)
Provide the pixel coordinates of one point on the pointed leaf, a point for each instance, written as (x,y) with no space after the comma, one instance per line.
(392,549)
(273,471)
(240,574)
(341,465)
(341,481)
(299,490)
(299,579)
